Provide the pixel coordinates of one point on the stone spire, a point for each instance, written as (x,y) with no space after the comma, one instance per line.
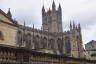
(70,25)
(73,25)
(79,26)
(59,8)
(24,26)
(53,5)
(43,11)
(9,13)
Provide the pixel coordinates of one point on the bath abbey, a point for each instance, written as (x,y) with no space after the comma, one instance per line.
(20,44)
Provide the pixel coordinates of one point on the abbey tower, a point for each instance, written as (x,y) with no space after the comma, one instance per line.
(52,19)
(71,40)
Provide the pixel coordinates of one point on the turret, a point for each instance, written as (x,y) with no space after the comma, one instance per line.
(49,11)
(53,5)
(74,25)
(24,25)
(79,27)
(43,11)
(9,13)
(70,26)
(59,9)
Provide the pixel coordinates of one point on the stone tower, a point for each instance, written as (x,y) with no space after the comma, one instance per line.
(52,19)
(77,49)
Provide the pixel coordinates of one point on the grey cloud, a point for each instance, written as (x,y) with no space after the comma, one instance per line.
(87,19)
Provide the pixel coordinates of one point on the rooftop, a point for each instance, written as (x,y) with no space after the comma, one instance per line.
(92,41)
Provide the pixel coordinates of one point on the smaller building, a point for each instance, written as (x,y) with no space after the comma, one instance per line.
(91,50)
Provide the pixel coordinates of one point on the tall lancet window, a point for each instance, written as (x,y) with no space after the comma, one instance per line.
(37,42)
(60,45)
(28,40)
(67,45)
(44,42)
(51,44)
(1,36)
(19,38)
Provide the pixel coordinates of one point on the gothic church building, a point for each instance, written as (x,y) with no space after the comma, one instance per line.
(50,39)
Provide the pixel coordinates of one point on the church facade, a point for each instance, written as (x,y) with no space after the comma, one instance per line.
(50,39)
(20,44)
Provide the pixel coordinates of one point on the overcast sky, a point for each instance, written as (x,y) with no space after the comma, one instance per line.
(82,11)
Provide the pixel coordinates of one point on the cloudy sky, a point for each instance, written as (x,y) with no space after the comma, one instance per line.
(81,11)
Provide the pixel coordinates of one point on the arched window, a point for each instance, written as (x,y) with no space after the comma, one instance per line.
(28,40)
(60,45)
(37,41)
(51,44)
(19,38)
(44,42)
(1,36)
(67,45)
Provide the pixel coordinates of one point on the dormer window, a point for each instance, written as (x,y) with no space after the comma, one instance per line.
(1,36)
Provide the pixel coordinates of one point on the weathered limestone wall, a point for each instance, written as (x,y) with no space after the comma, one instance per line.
(9,34)
(2,17)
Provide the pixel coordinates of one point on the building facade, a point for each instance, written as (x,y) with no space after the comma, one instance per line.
(20,44)
(91,50)
(50,39)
